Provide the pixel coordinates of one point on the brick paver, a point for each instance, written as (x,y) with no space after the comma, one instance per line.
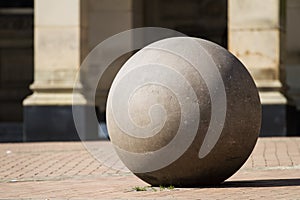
(65,170)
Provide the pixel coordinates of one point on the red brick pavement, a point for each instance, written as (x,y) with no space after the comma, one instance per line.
(65,170)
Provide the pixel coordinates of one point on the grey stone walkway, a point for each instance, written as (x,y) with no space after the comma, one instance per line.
(66,170)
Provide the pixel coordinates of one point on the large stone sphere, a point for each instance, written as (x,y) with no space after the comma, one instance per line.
(184,112)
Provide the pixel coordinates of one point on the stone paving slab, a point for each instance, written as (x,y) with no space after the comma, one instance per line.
(66,170)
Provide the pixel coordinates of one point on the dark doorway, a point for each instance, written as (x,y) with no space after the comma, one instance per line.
(16,65)
(204,19)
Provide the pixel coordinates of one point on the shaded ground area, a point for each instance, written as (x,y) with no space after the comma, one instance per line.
(66,170)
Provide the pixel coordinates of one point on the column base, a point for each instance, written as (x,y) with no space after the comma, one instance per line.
(293,118)
(11,132)
(55,123)
(273,113)
(273,120)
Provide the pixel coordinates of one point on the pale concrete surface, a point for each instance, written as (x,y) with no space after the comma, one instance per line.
(67,171)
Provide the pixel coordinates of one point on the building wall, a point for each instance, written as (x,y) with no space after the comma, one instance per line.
(94,21)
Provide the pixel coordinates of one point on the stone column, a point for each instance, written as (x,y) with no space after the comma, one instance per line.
(256,36)
(60,44)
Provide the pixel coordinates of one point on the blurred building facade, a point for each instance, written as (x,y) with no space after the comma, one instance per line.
(43,42)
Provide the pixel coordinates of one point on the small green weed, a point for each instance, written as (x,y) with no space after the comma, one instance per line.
(145,188)
(170,187)
(138,188)
(149,188)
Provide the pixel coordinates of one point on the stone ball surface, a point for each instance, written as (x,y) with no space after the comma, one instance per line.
(183,111)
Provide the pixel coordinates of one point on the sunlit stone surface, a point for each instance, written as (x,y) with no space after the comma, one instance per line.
(183,111)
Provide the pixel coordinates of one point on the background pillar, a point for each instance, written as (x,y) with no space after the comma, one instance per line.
(60,42)
(256,36)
